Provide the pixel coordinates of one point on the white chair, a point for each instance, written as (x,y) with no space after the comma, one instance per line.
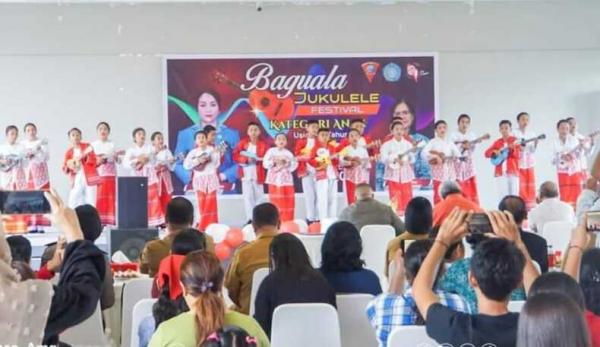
(133,291)
(410,336)
(515,306)
(326,223)
(87,333)
(355,329)
(558,234)
(312,243)
(257,277)
(302,325)
(141,310)
(375,239)
(302,225)
(249,234)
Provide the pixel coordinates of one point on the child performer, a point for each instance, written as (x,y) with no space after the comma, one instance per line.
(465,169)
(36,169)
(527,187)
(249,153)
(140,160)
(507,172)
(12,158)
(80,164)
(355,160)
(567,158)
(107,159)
(164,164)
(204,162)
(441,153)
(305,172)
(324,160)
(397,154)
(280,163)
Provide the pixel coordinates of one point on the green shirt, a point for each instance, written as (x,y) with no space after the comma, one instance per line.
(180,331)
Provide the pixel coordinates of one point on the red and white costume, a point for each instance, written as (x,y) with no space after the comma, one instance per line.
(15,178)
(131,160)
(364,141)
(84,177)
(399,173)
(446,170)
(280,180)
(569,171)
(205,182)
(106,189)
(527,188)
(588,149)
(323,158)
(357,174)
(165,163)
(251,172)
(306,173)
(465,169)
(507,173)
(36,173)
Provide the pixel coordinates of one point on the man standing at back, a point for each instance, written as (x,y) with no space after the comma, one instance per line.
(252,256)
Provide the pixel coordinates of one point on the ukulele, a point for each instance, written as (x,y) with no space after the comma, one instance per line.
(415,148)
(501,157)
(568,157)
(204,156)
(480,139)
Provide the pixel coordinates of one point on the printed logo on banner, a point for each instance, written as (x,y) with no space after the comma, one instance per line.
(392,72)
(370,69)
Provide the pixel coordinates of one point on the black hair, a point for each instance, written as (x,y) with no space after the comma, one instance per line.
(212,92)
(418,217)
(497,265)
(89,220)
(558,282)
(357,120)
(505,121)
(565,121)
(403,100)
(516,206)
(11,127)
(253,123)
(441,121)
(521,114)
(164,308)
(154,135)
(72,130)
(187,241)
(265,214)
(136,130)
(208,128)
(589,279)
(312,121)
(568,119)
(287,255)
(230,336)
(29,124)
(24,270)
(352,130)
(464,115)
(103,123)
(20,248)
(448,255)
(323,130)
(341,248)
(414,256)
(180,211)
(394,124)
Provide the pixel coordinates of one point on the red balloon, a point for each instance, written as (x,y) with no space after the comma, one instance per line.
(234,237)
(314,228)
(289,227)
(222,251)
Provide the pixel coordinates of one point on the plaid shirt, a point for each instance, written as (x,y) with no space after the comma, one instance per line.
(388,311)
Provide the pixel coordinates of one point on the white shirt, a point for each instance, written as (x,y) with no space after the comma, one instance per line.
(441,145)
(460,137)
(526,158)
(561,148)
(6,149)
(391,149)
(587,147)
(192,160)
(550,210)
(131,158)
(250,169)
(104,148)
(165,157)
(360,152)
(41,150)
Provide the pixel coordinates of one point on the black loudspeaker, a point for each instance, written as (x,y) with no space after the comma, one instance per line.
(132,202)
(130,241)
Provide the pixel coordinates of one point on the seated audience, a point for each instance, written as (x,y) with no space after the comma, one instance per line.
(418,220)
(549,208)
(341,264)
(397,307)
(368,211)
(292,280)
(202,280)
(536,245)
(589,199)
(230,336)
(179,216)
(20,250)
(560,283)
(451,197)
(499,265)
(252,256)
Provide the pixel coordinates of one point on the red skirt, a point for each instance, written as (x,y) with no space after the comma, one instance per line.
(155,214)
(105,200)
(350,190)
(527,187)
(283,197)
(569,187)
(207,206)
(165,198)
(400,195)
(37,220)
(436,192)
(469,189)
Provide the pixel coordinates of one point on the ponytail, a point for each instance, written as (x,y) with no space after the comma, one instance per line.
(210,314)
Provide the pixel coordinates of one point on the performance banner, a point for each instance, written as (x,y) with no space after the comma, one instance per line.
(281,93)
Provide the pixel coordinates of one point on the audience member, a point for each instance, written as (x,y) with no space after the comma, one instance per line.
(230,336)
(202,280)
(292,280)
(549,209)
(589,199)
(252,256)
(560,283)
(455,252)
(589,280)
(451,197)
(536,245)
(418,220)
(368,211)
(498,267)
(397,307)
(20,249)
(341,264)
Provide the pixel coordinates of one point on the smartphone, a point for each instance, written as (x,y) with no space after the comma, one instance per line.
(23,202)
(480,224)
(593,221)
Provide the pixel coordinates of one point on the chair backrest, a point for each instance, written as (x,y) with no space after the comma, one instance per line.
(375,239)
(558,234)
(301,325)
(410,336)
(90,332)
(355,329)
(515,306)
(133,292)
(141,310)
(257,277)
(312,243)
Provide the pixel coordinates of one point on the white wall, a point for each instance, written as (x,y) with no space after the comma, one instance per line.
(67,65)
